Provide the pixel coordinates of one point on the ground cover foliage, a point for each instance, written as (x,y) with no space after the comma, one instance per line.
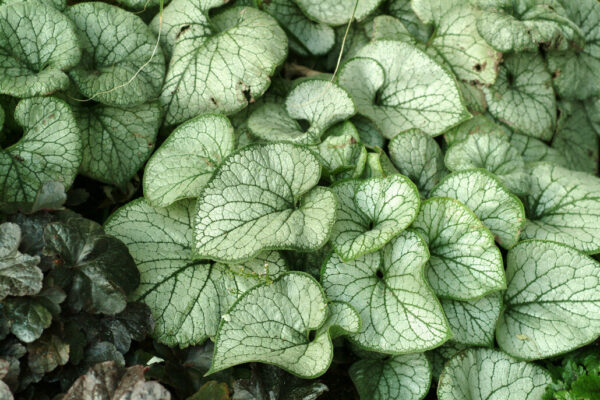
(299,199)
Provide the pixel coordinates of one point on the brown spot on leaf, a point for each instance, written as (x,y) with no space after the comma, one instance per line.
(182,31)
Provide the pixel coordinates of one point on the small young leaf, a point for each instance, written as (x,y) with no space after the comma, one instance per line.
(399,311)
(263,197)
(480,374)
(277,330)
(563,206)
(50,150)
(186,160)
(522,96)
(498,209)
(341,153)
(402,377)
(116,141)
(372,212)
(465,264)
(320,103)
(552,303)
(120,64)
(473,322)
(398,87)
(37,44)
(224,72)
(419,157)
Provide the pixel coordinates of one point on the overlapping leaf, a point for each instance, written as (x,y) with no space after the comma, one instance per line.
(552,301)
(465,264)
(399,312)
(19,274)
(398,87)
(186,160)
(341,153)
(263,197)
(337,12)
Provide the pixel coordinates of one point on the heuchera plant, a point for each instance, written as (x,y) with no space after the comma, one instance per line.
(409,184)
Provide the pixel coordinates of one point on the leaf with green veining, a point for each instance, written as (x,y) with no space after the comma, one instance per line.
(473,322)
(399,311)
(263,197)
(522,96)
(379,165)
(576,139)
(372,212)
(402,10)
(19,274)
(320,104)
(563,206)
(482,124)
(533,150)
(368,133)
(278,329)
(184,163)
(341,153)
(575,71)
(50,150)
(37,44)
(121,65)
(419,157)
(439,356)
(398,87)
(498,209)
(116,141)
(494,153)
(28,317)
(186,297)
(465,264)
(317,38)
(337,12)
(455,39)
(225,71)
(405,377)
(480,374)
(522,26)
(552,303)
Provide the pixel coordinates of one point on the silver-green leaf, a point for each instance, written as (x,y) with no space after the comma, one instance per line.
(272,323)
(187,159)
(263,197)
(372,212)
(399,311)
(337,12)
(484,374)
(552,303)
(465,264)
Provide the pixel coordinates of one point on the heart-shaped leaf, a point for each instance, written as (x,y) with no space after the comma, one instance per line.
(225,71)
(263,197)
(522,96)
(473,322)
(498,209)
(319,103)
(480,374)
(455,39)
(563,206)
(285,314)
(552,303)
(187,159)
(398,309)
(372,212)
(465,264)
(398,87)
(121,65)
(116,141)
(49,151)
(418,156)
(402,377)
(186,297)
(37,44)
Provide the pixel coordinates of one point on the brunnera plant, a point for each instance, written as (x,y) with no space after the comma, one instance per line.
(414,180)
